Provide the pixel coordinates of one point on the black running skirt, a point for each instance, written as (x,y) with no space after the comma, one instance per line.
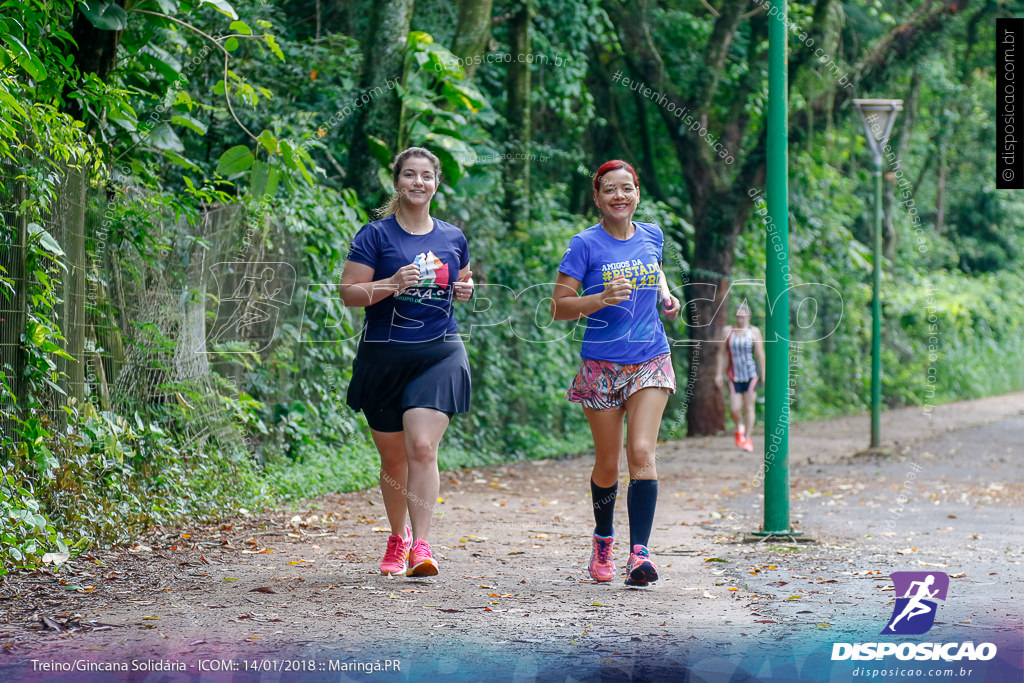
(390,378)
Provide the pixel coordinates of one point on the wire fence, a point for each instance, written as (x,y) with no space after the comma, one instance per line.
(141,332)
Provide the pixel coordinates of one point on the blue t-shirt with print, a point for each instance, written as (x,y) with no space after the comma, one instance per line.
(422,312)
(630,331)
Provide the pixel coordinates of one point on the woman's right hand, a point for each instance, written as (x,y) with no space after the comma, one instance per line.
(407,276)
(718,381)
(616,291)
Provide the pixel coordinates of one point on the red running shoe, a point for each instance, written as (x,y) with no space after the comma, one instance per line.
(602,568)
(640,571)
(421,561)
(397,550)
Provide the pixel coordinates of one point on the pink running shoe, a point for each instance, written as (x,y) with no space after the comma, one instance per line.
(602,568)
(748,445)
(421,561)
(640,571)
(394,557)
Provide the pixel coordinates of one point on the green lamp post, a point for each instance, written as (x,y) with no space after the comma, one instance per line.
(878,117)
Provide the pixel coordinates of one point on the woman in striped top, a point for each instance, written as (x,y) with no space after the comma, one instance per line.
(743,343)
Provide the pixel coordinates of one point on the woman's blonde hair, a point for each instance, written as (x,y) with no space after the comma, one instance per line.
(396,170)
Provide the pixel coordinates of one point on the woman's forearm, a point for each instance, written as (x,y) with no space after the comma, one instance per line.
(572,307)
(359,294)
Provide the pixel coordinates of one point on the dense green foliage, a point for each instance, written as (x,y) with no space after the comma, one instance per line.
(207,135)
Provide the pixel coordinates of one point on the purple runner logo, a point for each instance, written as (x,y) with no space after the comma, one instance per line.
(914,612)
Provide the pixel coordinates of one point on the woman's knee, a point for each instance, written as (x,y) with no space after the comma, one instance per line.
(421,451)
(641,448)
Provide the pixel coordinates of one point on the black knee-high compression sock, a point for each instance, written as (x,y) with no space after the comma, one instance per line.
(641,499)
(604,508)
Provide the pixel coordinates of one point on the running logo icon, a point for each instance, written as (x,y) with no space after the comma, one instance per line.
(914,612)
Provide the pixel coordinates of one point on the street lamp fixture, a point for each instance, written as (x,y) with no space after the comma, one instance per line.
(878,117)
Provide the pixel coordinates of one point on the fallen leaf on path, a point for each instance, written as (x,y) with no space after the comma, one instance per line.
(263,589)
(51,624)
(55,558)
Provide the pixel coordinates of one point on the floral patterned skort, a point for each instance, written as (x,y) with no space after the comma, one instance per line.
(604,385)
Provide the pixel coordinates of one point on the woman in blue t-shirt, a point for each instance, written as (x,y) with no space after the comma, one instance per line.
(411,372)
(626,371)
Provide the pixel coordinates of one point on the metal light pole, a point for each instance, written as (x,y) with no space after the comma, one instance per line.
(776,392)
(878,117)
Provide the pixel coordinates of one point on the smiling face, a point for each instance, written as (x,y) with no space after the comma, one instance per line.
(618,195)
(416,182)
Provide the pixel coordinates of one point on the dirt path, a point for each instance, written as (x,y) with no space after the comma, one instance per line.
(295,595)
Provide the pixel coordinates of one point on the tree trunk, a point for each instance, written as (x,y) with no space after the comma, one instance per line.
(716,228)
(385,49)
(517,117)
(897,185)
(473,32)
(95,53)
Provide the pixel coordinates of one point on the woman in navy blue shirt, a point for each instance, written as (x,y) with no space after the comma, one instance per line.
(626,371)
(411,372)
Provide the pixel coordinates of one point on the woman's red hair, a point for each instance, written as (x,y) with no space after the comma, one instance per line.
(613,165)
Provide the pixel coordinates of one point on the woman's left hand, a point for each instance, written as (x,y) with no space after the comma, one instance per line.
(671,306)
(464,287)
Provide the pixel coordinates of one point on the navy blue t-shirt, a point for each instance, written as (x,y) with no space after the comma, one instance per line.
(631,331)
(422,312)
